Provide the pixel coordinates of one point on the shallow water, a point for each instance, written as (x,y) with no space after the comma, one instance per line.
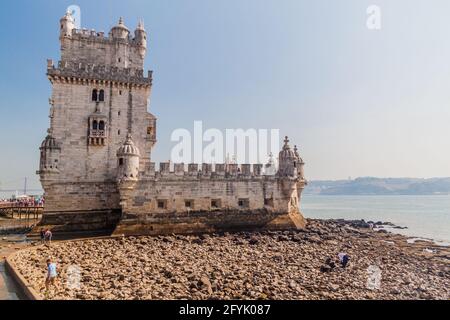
(424,216)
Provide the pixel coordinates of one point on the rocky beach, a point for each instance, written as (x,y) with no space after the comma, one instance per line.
(266,265)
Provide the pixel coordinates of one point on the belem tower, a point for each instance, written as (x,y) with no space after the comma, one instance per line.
(95,163)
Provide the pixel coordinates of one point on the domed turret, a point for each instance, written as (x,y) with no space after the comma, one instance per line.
(140,37)
(301,163)
(288,161)
(128,161)
(49,143)
(67,24)
(120,31)
(50,152)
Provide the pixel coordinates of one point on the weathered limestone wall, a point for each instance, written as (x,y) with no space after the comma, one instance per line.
(268,203)
(72,107)
(82,196)
(81,206)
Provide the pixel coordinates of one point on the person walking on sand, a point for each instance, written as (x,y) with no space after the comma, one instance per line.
(48,236)
(51,274)
(343,259)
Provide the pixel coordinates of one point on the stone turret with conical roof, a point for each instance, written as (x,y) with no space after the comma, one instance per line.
(300,164)
(50,153)
(288,162)
(120,31)
(67,24)
(140,38)
(128,161)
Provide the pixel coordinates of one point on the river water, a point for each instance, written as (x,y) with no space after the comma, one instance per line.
(424,216)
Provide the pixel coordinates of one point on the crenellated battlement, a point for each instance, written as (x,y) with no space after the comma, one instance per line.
(205,170)
(87,71)
(103,38)
(119,48)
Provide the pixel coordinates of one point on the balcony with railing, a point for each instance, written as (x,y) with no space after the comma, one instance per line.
(97,137)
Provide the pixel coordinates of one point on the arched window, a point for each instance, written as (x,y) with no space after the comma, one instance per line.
(101,96)
(95,125)
(94,95)
(101,125)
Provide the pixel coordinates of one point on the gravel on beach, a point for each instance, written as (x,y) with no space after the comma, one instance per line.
(246,265)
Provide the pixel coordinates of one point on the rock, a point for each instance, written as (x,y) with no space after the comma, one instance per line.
(283,238)
(253,241)
(325,268)
(334,287)
(262,296)
(205,284)
(394,291)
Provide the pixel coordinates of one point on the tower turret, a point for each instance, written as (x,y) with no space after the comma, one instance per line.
(128,161)
(50,153)
(300,165)
(120,31)
(67,24)
(288,163)
(140,37)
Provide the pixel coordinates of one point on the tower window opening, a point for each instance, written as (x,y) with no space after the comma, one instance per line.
(120,161)
(243,203)
(215,204)
(188,204)
(162,204)
(94,95)
(101,125)
(101,97)
(95,125)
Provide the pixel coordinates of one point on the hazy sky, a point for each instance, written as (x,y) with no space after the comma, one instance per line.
(357,102)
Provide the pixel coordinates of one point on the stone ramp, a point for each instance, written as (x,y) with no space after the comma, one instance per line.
(8,288)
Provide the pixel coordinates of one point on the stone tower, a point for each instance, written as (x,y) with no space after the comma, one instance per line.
(96,167)
(99,100)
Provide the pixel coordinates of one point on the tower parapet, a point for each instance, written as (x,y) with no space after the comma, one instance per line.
(118,49)
(69,71)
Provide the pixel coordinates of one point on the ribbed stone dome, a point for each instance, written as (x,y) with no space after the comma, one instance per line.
(49,143)
(128,148)
(120,31)
(287,152)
